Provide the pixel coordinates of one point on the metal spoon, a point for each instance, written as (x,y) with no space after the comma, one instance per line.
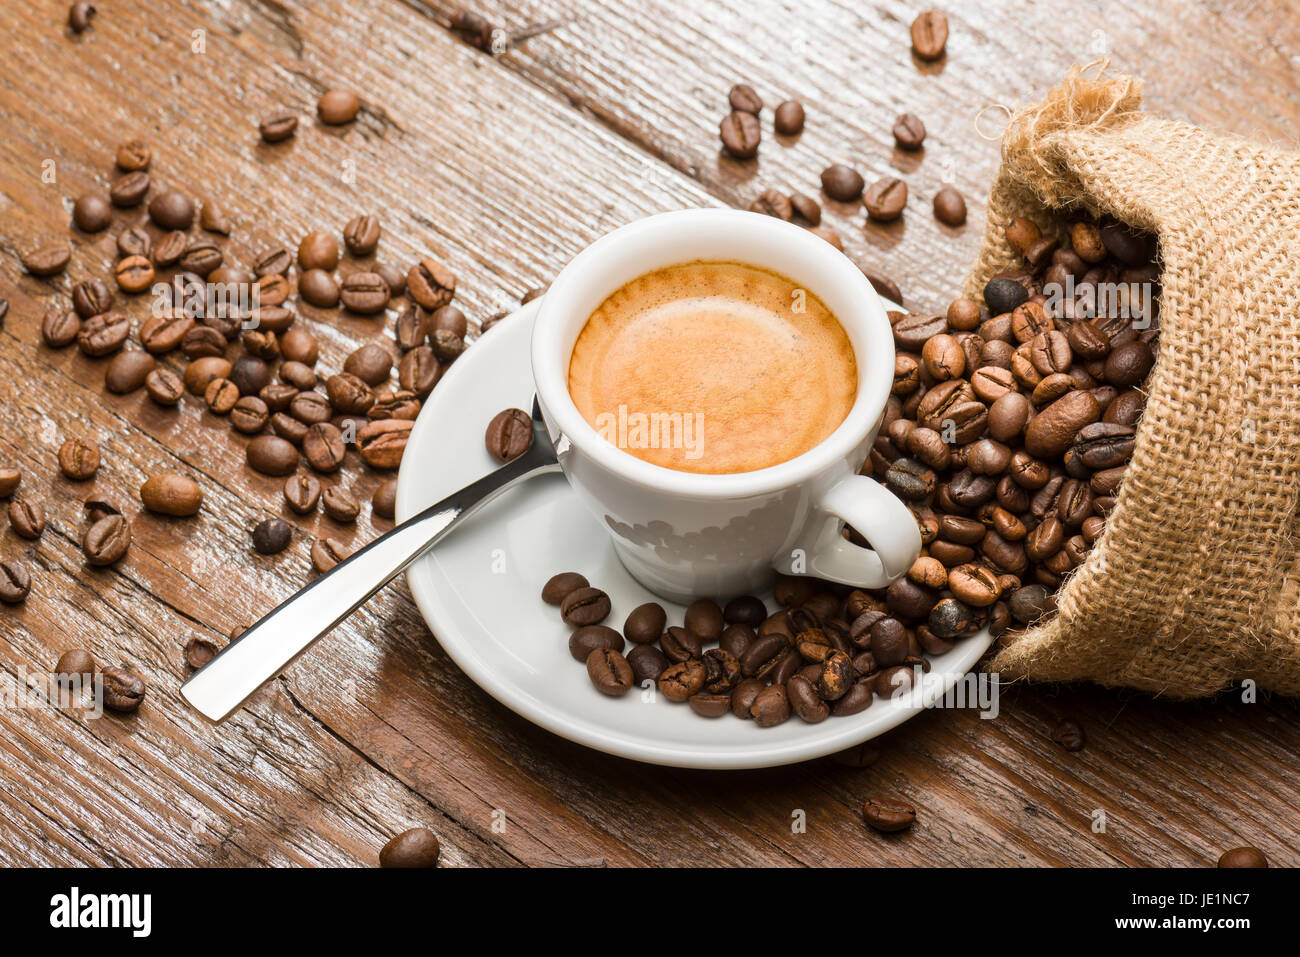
(218,688)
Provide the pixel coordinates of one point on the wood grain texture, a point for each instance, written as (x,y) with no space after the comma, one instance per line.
(504,167)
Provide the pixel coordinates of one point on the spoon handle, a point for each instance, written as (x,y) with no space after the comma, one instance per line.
(268,647)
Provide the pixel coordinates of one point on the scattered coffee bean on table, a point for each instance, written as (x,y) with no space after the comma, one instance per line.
(171,494)
(1069,734)
(416,848)
(326,553)
(384,502)
(789,118)
(559,586)
(75,663)
(15,582)
(842,183)
(337,107)
(929,35)
(909,132)
(199,651)
(271,536)
(78,459)
(80,15)
(1243,857)
(124,690)
(10,478)
(888,815)
(107,541)
(48,260)
(949,206)
(740,134)
(278,127)
(885,199)
(585,606)
(26,518)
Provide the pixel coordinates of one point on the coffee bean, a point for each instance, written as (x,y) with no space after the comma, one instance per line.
(1128,364)
(48,260)
(59,328)
(134,242)
(128,371)
(90,297)
(509,434)
(929,35)
(411,328)
(770,707)
(680,644)
(199,651)
(340,504)
(168,493)
(92,212)
(1069,734)
(271,536)
(361,235)
(78,459)
(842,183)
(170,248)
(742,97)
(1004,295)
(419,371)
(302,492)
(909,132)
(384,502)
(272,455)
(323,447)
(382,443)
(559,586)
(15,582)
(124,690)
(645,624)
(130,190)
(134,274)
(740,134)
(1052,431)
(318,250)
(805,702)
(830,235)
(201,257)
(220,396)
(789,118)
(1030,603)
(416,848)
(288,428)
(77,664)
(326,553)
(678,682)
(107,540)
(164,386)
(318,288)
(171,209)
(10,478)
(805,208)
(337,107)
(773,203)
(310,407)
(591,638)
(278,127)
(888,815)
(80,15)
(763,654)
(431,284)
(371,364)
(585,606)
(27,518)
(704,618)
(1243,857)
(949,206)
(885,199)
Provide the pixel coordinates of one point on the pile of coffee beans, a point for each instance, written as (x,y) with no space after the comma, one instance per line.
(825,652)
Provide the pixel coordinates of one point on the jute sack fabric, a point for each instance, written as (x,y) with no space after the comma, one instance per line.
(1195,584)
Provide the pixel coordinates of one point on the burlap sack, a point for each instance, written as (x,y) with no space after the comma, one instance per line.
(1194,583)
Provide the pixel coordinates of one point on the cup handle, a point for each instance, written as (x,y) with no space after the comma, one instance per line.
(881,518)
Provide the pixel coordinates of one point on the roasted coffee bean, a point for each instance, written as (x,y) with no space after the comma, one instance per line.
(419,371)
(317,288)
(199,651)
(1069,734)
(770,707)
(885,199)
(10,478)
(220,396)
(680,644)
(382,443)
(90,297)
(26,518)
(836,676)
(1240,857)
(914,330)
(348,394)
(59,328)
(788,120)
(310,407)
(124,690)
(169,249)
(842,183)
(609,671)
(1004,295)
(740,134)
(384,502)
(888,642)
(773,203)
(943,357)
(130,190)
(832,237)
(371,363)
(805,702)
(326,553)
(743,695)
(410,328)
(909,132)
(78,459)
(340,504)
(79,16)
(301,492)
(76,664)
(134,242)
(103,334)
(704,618)
(1128,364)
(393,277)
(929,35)
(974,585)
(949,206)
(171,209)
(361,235)
(910,480)
(164,386)
(170,494)
(128,371)
(337,107)
(509,434)
(107,540)
(592,637)
(679,681)
(275,262)
(134,274)
(431,284)
(762,655)
(949,618)
(1030,603)
(364,293)
(722,671)
(1052,431)
(92,212)
(390,404)
(15,582)
(708,705)
(646,623)
(162,332)
(736,639)
(271,536)
(585,606)
(48,260)
(417,848)
(201,256)
(447,346)
(647,662)
(272,455)
(278,127)
(888,815)
(988,457)
(558,587)
(745,610)
(323,447)
(743,97)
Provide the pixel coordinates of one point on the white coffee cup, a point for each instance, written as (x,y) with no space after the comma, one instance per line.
(684,534)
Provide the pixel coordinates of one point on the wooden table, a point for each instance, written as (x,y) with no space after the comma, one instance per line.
(504,167)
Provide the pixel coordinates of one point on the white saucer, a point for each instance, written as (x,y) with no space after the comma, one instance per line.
(480,589)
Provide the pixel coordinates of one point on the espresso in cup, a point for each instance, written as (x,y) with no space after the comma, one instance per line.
(713,367)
